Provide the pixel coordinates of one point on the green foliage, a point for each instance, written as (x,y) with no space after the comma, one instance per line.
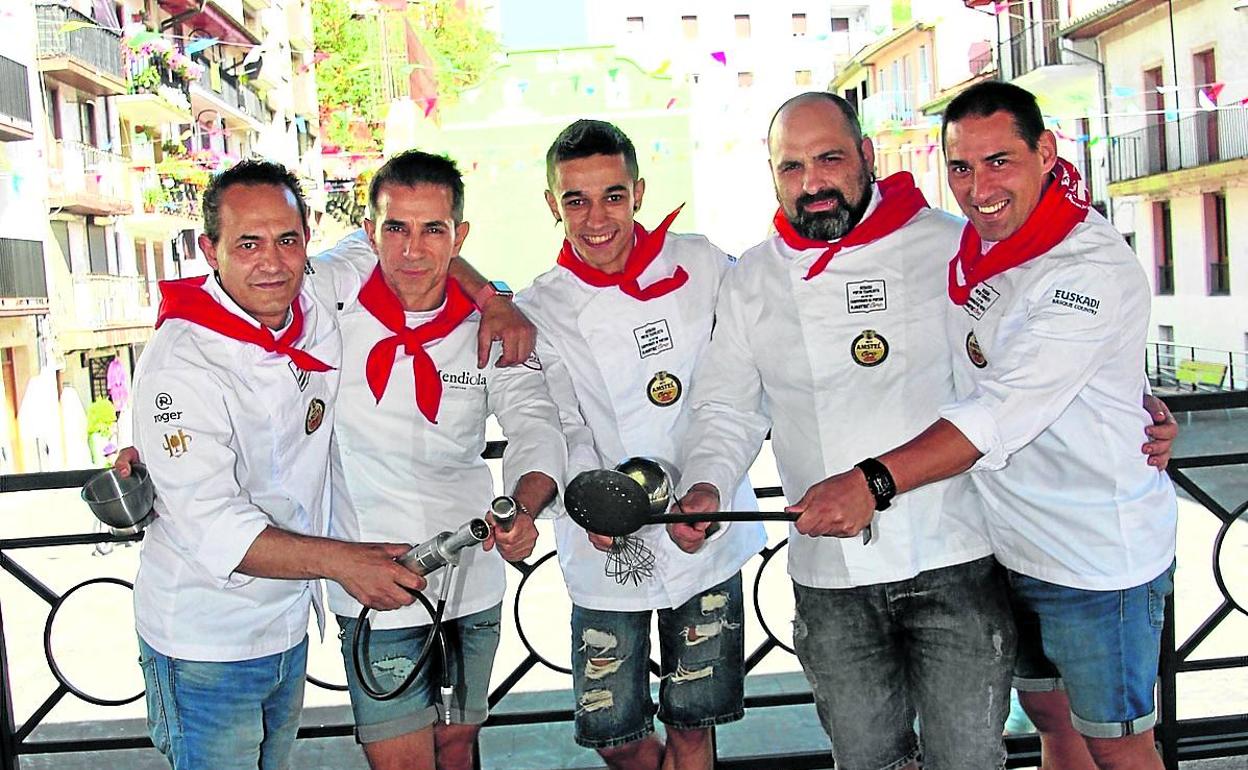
(350,73)
(101,417)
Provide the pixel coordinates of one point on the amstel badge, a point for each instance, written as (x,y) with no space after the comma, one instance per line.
(664,389)
(974,352)
(869,348)
(316,414)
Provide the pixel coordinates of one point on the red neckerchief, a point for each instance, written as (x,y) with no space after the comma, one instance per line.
(1062,206)
(646,247)
(187,299)
(900,200)
(377,298)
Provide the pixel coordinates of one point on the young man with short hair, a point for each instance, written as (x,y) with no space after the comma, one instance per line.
(622,320)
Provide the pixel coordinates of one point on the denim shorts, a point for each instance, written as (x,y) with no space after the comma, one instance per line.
(939,646)
(701,653)
(471,642)
(1102,647)
(236,715)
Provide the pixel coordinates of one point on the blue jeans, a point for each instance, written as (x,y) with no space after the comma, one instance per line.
(237,715)
(1102,647)
(702,660)
(471,642)
(939,645)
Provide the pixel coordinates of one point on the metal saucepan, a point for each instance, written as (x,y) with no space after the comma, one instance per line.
(125,505)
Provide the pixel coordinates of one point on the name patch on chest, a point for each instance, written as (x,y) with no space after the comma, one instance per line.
(982,297)
(865,296)
(653,338)
(463,380)
(1072,299)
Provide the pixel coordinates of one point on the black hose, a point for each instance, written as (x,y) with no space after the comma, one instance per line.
(359,649)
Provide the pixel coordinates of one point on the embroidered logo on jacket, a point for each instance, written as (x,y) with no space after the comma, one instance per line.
(664,389)
(865,296)
(974,352)
(315,416)
(653,338)
(177,444)
(869,348)
(1077,301)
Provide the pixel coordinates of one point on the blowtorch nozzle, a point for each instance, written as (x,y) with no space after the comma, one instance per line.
(444,548)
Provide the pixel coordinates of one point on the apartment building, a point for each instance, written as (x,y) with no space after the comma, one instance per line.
(1178,156)
(130,105)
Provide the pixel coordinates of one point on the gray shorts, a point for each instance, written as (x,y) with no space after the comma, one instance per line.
(471,643)
(939,646)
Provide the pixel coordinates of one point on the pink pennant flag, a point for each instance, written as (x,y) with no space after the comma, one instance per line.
(671,102)
(1207,103)
(430,103)
(1215,90)
(720,57)
(1000,8)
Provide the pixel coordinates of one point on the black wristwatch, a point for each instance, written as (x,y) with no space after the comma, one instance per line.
(879,481)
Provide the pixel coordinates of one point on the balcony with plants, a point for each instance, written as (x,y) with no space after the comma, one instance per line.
(159,80)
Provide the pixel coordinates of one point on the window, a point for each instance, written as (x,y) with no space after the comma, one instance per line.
(1163,249)
(54,113)
(745,79)
(690,26)
(635,24)
(1205,73)
(802,78)
(1154,107)
(840,35)
(97,248)
(742,21)
(851,96)
(60,231)
(799,24)
(1216,247)
(86,123)
(840,24)
(925,78)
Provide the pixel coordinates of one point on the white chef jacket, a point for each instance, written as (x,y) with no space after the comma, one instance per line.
(233,442)
(782,358)
(600,351)
(399,478)
(1055,409)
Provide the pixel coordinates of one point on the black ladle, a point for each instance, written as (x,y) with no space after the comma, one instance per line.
(611,503)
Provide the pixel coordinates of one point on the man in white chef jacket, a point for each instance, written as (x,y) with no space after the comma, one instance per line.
(622,318)
(1047,315)
(234,401)
(406,456)
(829,335)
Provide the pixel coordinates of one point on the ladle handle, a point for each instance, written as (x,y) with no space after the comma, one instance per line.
(868,533)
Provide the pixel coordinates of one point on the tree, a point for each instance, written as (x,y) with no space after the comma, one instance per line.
(362,62)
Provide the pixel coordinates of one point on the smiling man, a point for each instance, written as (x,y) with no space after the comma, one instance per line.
(231,399)
(1046,319)
(623,318)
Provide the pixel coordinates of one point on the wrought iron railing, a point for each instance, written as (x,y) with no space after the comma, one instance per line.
(1171,145)
(14,90)
(1178,738)
(230,89)
(1162,360)
(97,46)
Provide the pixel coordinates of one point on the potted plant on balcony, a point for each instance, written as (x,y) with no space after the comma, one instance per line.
(154,199)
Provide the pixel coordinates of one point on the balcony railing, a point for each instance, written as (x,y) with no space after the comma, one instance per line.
(94,45)
(108,301)
(1212,603)
(80,169)
(227,88)
(1165,279)
(1196,140)
(1219,278)
(1034,47)
(21,270)
(14,90)
(888,107)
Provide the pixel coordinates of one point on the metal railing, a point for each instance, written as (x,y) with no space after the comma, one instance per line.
(886,106)
(981,63)
(22,272)
(14,90)
(1179,739)
(1036,46)
(1196,140)
(227,87)
(77,167)
(97,46)
(103,301)
(1162,360)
